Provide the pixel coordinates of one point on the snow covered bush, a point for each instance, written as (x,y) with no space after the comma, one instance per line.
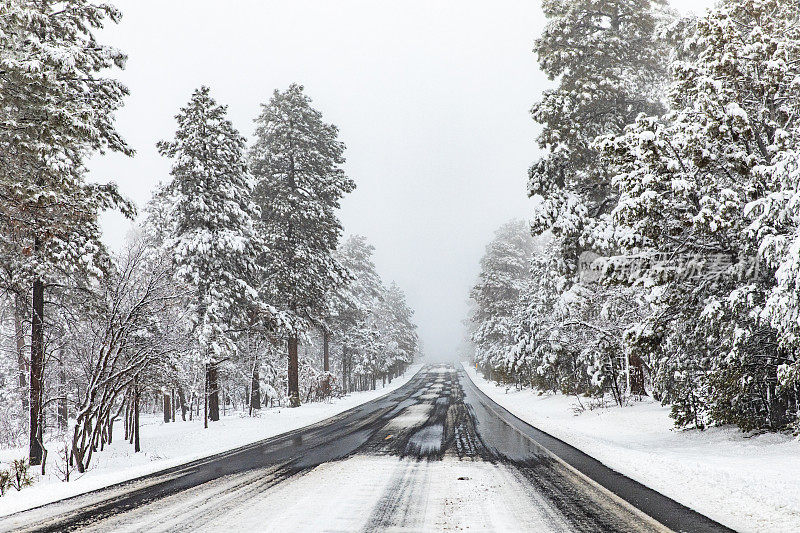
(5,477)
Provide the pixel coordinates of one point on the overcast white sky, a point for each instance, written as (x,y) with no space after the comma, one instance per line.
(430,96)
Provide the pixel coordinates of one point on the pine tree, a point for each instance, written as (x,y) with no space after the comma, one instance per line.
(610,63)
(609,68)
(57,110)
(502,281)
(539,357)
(297,163)
(213,244)
(403,340)
(360,303)
(707,195)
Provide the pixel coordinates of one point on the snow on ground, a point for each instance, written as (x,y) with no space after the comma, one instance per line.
(166,445)
(384,493)
(746,483)
(373,493)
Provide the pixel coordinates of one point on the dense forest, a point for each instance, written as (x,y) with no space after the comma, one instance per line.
(665,258)
(234,291)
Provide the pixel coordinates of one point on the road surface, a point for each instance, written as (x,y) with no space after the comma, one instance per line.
(435,454)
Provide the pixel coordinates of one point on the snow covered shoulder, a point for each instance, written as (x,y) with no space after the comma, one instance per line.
(167,445)
(748,483)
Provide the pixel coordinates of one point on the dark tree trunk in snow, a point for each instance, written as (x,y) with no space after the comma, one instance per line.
(325,351)
(637,375)
(62,394)
(255,389)
(37,373)
(213,392)
(294,386)
(136,447)
(182,399)
(174,405)
(22,364)
(224,397)
(345,370)
(167,404)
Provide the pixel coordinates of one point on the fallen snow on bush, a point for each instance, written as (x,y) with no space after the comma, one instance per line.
(166,445)
(749,483)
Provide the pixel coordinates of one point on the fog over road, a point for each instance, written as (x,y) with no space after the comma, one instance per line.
(436,454)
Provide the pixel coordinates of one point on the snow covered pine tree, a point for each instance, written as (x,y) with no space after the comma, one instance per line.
(57,110)
(297,164)
(610,66)
(213,244)
(499,291)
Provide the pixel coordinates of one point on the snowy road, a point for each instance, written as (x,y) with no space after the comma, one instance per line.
(436,454)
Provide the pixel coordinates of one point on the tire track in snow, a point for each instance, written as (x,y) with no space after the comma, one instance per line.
(402,505)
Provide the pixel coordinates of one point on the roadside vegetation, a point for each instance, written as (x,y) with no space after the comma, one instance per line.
(666,259)
(234,291)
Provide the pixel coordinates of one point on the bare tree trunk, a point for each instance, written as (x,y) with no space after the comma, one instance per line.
(110,426)
(166,402)
(325,351)
(345,370)
(136,447)
(37,372)
(294,386)
(22,364)
(182,399)
(174,404)
(213,392)
(255,389)
(636,375)
(62,394)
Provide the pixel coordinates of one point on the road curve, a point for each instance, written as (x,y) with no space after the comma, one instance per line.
(436,454)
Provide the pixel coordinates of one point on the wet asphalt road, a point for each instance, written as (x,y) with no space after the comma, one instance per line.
(435,454)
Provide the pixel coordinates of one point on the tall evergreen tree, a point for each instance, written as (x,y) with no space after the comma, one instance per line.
(498,292)
(403,339)
(610,67)
(213,244)
(297,163)
(610,63)
(362,300)
(57,109)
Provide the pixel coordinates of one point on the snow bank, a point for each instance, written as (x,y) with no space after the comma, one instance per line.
(747,483)
(166,445)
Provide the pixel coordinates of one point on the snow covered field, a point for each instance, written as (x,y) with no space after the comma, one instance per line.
(747,483)
(167,445)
